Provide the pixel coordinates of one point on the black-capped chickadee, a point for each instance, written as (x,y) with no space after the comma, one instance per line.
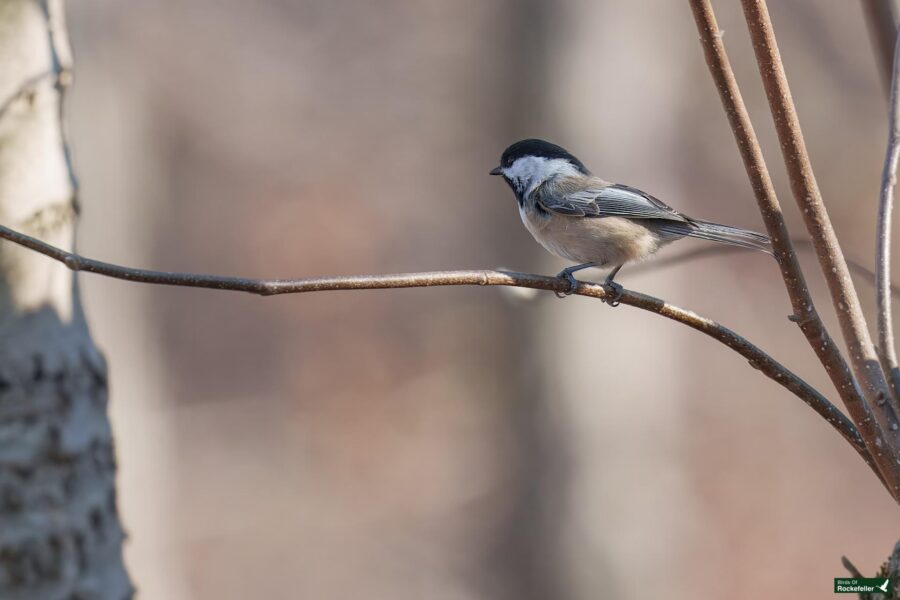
(593,222)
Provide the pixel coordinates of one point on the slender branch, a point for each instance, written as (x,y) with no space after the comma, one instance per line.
(706,251)
(805,313)
(863,358)
(270,287)
(886,349)
(881,19)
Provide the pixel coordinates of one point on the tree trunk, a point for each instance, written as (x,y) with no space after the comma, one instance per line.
(60,535)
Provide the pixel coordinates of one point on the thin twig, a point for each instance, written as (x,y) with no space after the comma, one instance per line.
(712,250)
(886,350)
(270,287)
(863,358)
(805,313)
(851,568)
(881,19)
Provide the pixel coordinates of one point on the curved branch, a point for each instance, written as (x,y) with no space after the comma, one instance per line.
(863,357)
(886,349)
(805,313)
(270,287)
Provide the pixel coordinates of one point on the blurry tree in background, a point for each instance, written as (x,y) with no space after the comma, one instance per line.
(60,535)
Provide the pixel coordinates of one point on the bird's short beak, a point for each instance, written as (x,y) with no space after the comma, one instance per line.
(496,171)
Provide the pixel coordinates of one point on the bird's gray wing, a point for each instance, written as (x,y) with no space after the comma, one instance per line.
(609,201)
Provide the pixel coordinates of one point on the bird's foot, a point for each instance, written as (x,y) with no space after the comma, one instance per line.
(570,278)
(613,293)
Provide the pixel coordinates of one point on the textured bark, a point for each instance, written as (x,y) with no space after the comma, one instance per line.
(60,535)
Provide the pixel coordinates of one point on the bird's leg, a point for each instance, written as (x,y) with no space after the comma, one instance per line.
(612,288)
(567,275)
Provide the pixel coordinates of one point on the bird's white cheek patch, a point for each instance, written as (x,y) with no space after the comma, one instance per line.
(534,169)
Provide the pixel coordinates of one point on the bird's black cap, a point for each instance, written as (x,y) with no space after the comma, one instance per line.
(535,147)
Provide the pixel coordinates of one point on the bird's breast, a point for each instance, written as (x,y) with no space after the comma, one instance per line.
(601,240)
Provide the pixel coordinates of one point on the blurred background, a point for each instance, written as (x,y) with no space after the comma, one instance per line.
(458,443)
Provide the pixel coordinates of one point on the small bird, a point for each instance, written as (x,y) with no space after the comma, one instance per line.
(593,222)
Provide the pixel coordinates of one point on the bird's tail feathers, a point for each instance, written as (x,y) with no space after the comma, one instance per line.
(735,236)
